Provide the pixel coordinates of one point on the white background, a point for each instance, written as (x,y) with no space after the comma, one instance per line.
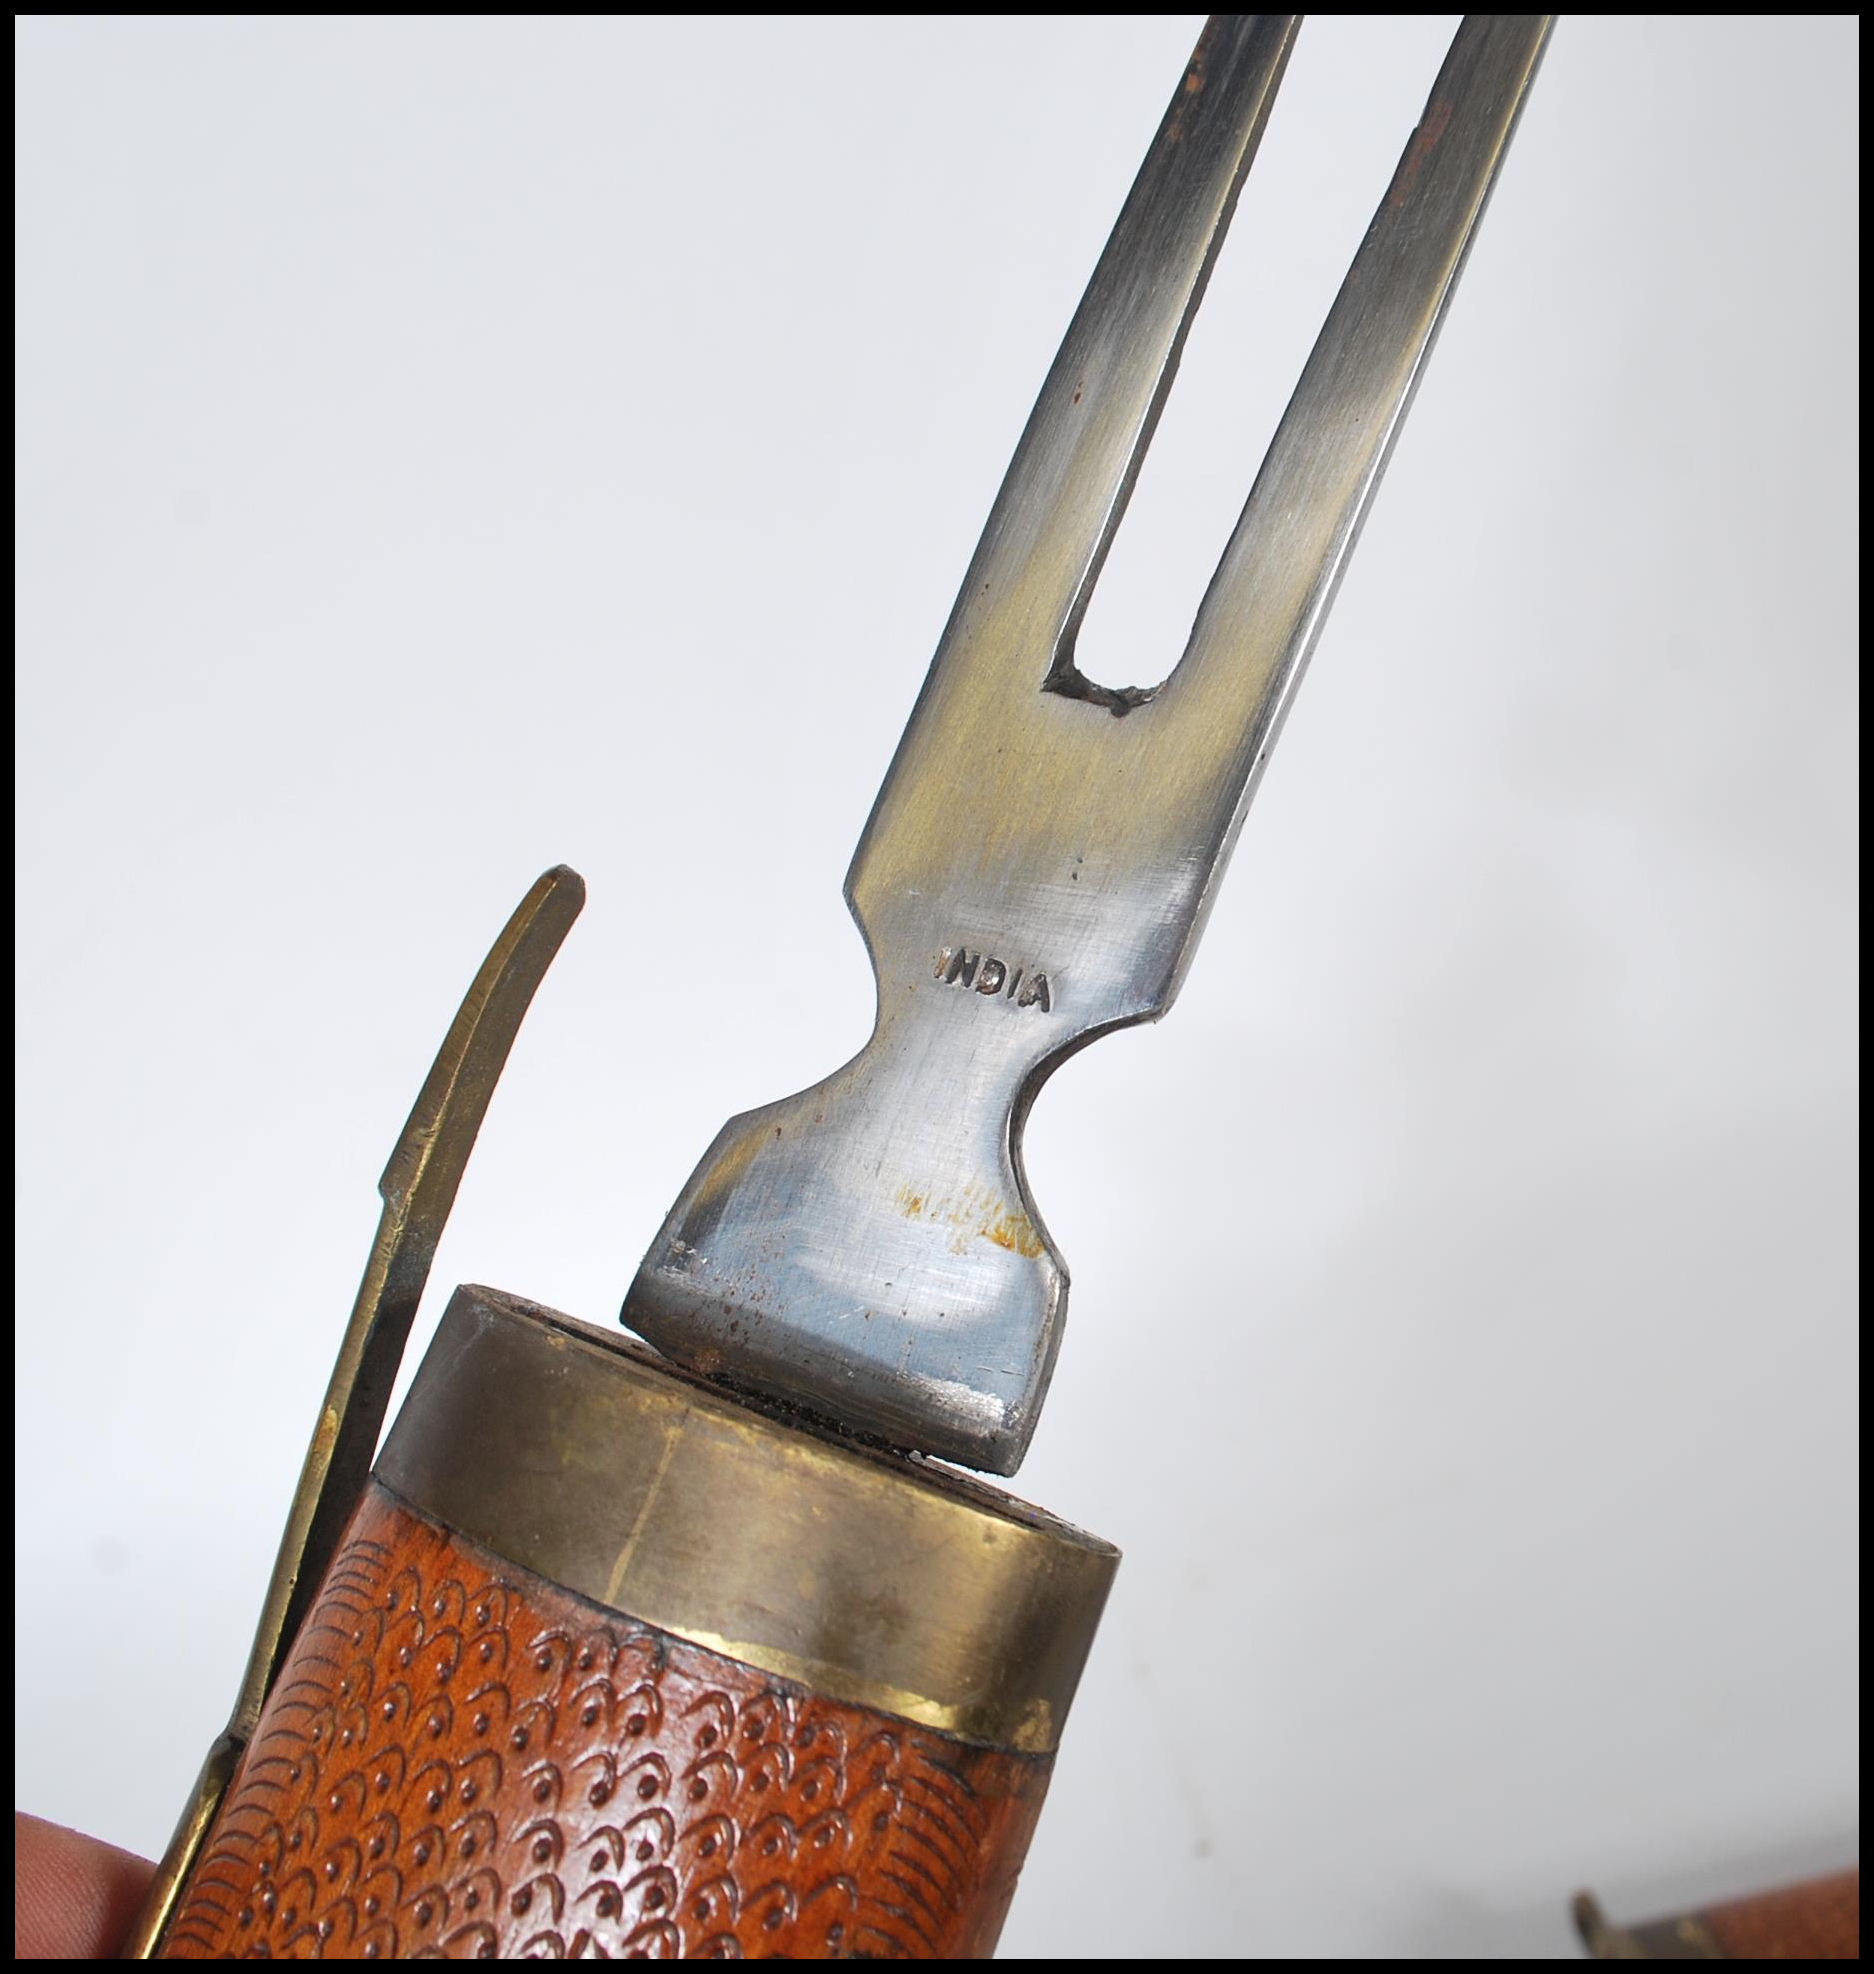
(450,448)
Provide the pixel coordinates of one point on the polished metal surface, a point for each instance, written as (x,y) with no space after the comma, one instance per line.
(418,1189)
(1039,863)
(877,1580)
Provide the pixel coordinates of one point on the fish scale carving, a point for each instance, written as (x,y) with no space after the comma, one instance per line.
(461,1760)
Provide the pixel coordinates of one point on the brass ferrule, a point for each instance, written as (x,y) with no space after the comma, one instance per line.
(893,1583)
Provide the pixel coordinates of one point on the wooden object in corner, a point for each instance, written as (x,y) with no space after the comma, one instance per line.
(1817,1920)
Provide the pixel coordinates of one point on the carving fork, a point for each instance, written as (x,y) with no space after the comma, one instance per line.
(1038,866)
(610,1657)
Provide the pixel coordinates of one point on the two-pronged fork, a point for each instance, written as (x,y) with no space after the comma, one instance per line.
(605,1657)
(1038,865)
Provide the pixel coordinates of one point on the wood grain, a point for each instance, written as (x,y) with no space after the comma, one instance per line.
(1820,1920)
(1817,1920)
(462,1760)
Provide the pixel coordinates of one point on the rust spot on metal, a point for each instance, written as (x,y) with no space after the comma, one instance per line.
(976,1213)
(1424,142)
(1014,1231)
(1193,84)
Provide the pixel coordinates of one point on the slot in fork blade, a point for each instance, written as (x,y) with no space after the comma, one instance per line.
(1039,862)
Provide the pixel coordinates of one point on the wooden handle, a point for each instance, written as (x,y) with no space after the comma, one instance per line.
(461,1758)
(609,1663)
(1817,1920)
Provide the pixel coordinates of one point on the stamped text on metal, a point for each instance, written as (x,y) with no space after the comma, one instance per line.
(958,967)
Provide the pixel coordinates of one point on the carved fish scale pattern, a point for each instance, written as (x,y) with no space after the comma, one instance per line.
(460,1760)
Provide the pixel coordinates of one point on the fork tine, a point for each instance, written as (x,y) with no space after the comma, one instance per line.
(1265,605)
(1072,473)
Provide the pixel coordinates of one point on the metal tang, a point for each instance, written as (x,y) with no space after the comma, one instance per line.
(1041,858)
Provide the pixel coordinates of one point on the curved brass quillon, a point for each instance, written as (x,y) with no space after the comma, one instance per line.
(418,1189)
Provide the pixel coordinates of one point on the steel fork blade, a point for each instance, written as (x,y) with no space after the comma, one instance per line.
(1039,862)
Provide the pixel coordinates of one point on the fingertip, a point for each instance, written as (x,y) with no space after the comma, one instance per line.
(74,1898)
